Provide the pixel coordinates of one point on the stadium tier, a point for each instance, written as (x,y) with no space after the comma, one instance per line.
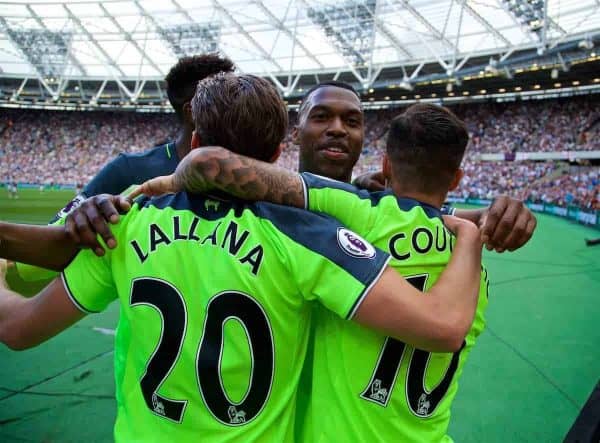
(61,147)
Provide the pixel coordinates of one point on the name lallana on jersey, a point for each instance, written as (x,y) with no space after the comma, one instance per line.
(226,238)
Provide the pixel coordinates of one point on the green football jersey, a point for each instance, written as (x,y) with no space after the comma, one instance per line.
(367,387)
(215,311)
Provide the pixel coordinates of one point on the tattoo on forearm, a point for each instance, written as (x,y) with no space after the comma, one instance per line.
(240,176)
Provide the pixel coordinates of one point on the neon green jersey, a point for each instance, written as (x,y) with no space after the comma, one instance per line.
(367,387)
(215,311)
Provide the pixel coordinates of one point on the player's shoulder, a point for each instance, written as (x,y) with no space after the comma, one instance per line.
(163,151)
(215,205)
(341,192)
(315,181)
(284,225)
(284,217)
(315,231)
(127,169)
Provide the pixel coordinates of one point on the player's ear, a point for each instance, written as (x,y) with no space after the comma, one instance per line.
(458,175)
(196,142)
(277,153)
(294,135)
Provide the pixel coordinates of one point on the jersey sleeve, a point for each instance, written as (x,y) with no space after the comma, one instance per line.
(89,279)
(89,282)
(352,206)
(329,263)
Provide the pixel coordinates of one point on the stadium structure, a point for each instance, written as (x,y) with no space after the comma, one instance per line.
(82,80)
(113,55)
(91,54)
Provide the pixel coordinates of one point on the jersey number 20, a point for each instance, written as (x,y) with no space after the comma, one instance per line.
(169,303)
(421,401)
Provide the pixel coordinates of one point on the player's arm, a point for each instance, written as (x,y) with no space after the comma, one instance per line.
(217,168)
(53,247)
(438,320)
(48,247)
(350,277)
(86,286)
(26,322)
(506,225)
(43,250)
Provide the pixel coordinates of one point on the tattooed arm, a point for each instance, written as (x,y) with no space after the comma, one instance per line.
(209,168)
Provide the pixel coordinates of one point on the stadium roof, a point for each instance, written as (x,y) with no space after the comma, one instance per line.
(362,41)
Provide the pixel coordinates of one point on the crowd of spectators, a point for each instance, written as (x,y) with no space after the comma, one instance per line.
(580,186)
(543,182)
(45,147)
(537,125)
(486,179)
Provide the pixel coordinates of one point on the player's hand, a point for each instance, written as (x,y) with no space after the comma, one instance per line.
(507,224)
(91,219)
(371,181)
(460,227)
(157,186)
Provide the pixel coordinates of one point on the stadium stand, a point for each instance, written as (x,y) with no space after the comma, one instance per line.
(47,147)
(548,126)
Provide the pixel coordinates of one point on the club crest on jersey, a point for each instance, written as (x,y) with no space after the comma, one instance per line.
(212,204)
(354,245)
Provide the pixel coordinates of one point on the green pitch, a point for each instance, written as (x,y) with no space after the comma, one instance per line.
(526,379)
(33,205)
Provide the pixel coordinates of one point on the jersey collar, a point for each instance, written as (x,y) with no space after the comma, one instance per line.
(406,204)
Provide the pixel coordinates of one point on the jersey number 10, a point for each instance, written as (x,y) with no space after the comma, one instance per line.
(421,401)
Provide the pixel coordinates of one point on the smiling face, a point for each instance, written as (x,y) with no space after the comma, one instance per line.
(330,133)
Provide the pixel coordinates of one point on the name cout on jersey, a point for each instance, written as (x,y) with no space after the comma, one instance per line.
(227,238)
(420,240)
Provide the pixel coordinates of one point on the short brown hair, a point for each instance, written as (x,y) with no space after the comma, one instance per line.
(183,78)
(242,113)
(426,145)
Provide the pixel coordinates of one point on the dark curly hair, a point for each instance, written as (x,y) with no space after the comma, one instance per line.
(183,78)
